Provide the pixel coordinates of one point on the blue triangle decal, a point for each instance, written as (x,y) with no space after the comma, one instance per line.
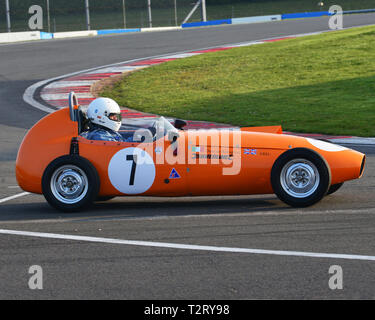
(174,174)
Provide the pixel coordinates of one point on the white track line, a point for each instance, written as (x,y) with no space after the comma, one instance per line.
(14,197)
(115,69)
(62,96)
(63,84)
(187,246)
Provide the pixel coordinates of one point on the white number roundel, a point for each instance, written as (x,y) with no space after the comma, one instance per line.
(131,171)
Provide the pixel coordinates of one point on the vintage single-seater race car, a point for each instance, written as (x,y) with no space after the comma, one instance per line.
(160,160)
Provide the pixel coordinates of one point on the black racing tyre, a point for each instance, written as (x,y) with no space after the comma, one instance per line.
(333,188)
(70,183)
(104,198)
(300,177)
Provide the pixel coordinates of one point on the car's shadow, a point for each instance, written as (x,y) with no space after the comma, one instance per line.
(125,208)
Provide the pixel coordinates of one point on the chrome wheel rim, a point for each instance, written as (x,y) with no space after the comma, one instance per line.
(300,178)
(69,184)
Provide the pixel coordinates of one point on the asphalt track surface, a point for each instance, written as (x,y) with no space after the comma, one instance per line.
(343,223)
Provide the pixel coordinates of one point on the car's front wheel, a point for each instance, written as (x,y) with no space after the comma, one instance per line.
(300,177)
(70,183)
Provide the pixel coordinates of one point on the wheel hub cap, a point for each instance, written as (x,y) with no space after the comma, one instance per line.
(299,178)
(69,184)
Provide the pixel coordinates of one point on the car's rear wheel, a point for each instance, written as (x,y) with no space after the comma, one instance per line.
(70,183)
(300,177)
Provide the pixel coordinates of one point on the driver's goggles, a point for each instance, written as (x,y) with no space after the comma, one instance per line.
(115,117)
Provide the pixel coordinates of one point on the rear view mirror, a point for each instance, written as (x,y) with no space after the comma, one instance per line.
(73,101)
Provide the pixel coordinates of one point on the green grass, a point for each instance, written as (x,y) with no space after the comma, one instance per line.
(322,84)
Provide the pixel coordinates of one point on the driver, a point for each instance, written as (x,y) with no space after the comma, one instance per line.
(105,117)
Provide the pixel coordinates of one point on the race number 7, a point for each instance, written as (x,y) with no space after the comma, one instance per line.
(132,171)
(131,157)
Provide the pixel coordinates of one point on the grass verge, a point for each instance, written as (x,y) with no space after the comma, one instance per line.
(323,83)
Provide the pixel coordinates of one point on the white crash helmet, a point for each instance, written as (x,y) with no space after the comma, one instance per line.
(105,112)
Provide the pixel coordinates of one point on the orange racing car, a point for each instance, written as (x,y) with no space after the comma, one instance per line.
(161,160)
